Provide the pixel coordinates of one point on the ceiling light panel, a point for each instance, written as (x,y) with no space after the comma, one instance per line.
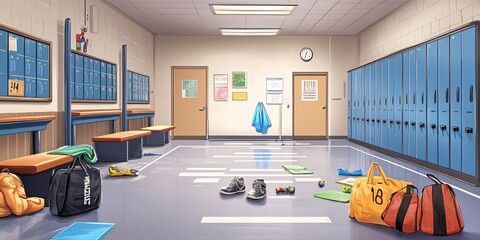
(249,31)
(251,9)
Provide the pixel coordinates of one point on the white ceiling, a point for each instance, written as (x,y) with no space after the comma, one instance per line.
(311,17)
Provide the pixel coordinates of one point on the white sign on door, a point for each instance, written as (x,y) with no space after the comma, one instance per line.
(309,90)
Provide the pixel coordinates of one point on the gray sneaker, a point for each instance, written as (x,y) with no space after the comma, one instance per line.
(236,185)
(259,190)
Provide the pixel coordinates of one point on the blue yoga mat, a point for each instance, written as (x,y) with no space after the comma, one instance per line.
(84,231)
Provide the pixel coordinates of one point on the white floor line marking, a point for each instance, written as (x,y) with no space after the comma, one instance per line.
(278,181)
(416,172)
(266,220)
(154,161)
(234,143)
(266,148)
(198,186)
(281,197)
(256,170)
(264,153)
(213,162)
(258,155)
(309,146)
(220,174)
(265,161)
(307,179)
(206,180)
(206,169)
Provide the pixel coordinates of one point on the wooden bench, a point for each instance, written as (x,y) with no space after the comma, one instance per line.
(120,146)
(159,137)
(36,170)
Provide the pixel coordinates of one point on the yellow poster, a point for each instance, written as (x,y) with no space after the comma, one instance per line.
(239,96)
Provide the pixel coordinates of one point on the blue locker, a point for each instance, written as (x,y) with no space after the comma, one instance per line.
(455,101)
(96,92)
(103,85)
(79,61)
(30,87)
(469,63)
(378,104)
(397,82)
(30,67)
(30,48)
(349,105)
(88,91)
(43,77)
(361,92)
(432,103)
(371,101)
(79,91)
(109,93)
(114,69)
(390,104)
(421,105)
(78,76)
(354,104)
(96,81)
(367,102)
(43,51)
(114,83)
(43,89)
(443,102)
(406,112)
(384,103)
(3,63)
(412,103)
(86,71)
(17,58)
(96,64)
(72,75)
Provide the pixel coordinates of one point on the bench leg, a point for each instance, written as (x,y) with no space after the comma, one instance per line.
(155,139)
(167,137)
(112,151)
(135,148)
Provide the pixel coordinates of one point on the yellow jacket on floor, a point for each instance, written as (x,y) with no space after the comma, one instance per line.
(13,199)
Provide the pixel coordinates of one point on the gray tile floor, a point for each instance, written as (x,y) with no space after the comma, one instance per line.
(160,204)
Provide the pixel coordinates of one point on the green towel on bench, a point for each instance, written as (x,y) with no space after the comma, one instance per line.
(84,151)
(333,196)
(297,169)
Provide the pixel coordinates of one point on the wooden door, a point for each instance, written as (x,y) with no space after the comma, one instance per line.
(310,109)
(189,102)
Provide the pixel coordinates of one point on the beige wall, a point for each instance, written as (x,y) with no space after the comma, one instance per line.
(260,57)
(45,19)
(415,22)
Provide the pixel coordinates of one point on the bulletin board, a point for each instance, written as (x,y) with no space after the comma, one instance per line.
(25,66)
(138,87)
(92,79)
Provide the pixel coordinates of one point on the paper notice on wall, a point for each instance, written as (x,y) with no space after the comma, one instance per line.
(189,88)
(309,90)
(221,87)
(12,44)
(274,98)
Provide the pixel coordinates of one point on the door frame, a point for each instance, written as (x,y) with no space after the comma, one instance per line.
(293,104)
(172,99)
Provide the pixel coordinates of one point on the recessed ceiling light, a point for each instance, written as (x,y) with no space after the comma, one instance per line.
(252,9)
(250,31)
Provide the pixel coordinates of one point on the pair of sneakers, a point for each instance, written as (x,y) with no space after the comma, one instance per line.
(237,185)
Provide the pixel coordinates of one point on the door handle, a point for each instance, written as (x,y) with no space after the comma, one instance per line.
(443,127)
(435,96)
(412,123)
(202,109)
(455,128)
(324,107)
(446,95)
(391,121)
(378,120)
(406,123)
(368,120)
(468,130)
(384,121)
(433,126)
(421,125)
(471,93)
(399,122)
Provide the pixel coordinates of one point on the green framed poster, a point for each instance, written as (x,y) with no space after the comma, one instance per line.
(239,80)
(189,88)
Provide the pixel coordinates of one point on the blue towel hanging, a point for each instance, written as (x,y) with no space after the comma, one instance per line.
(260,120)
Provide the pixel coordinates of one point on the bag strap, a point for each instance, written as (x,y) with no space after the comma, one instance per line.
(434,179)
(371,173)
(410,188)
(80,162)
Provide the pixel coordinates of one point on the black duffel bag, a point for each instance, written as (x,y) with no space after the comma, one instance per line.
(76,189)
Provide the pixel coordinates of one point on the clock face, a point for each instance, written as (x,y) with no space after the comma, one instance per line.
(306,54)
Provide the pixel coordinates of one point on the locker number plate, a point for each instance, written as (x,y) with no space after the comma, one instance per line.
(16,88)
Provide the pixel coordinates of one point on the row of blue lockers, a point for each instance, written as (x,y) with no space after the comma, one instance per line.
(421,102)
(138,87)
(92,79)
(27,61)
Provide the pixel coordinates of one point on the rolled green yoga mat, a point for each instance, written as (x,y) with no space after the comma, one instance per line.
(297,169)
(333,196)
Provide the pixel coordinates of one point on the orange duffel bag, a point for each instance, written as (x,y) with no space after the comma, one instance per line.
(370,195)
(440,212)
(402,210)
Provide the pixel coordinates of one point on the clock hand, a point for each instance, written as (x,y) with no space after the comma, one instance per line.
(306,53)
